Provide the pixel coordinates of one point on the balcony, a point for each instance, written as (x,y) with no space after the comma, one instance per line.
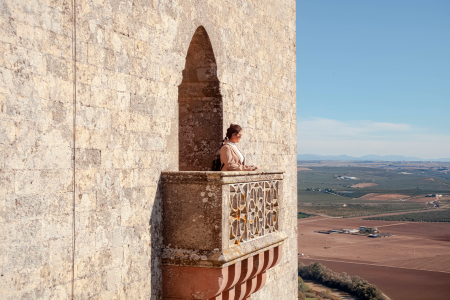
(222,232)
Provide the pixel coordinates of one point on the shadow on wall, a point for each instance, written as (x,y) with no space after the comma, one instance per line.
(200,106)
(199,133)
(156,240)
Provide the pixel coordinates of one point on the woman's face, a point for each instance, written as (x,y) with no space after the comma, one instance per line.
(236,137)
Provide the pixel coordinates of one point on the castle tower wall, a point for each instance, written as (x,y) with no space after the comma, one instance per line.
(89,118)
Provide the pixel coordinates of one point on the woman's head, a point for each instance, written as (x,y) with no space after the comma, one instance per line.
(234,133)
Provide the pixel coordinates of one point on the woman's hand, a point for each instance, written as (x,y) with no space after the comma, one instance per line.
(254,168)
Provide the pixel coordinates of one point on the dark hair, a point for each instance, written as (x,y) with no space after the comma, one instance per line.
(234,128)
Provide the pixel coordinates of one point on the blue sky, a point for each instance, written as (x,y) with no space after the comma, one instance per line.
(373,77)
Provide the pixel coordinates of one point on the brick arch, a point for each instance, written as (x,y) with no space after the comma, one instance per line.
(200,106)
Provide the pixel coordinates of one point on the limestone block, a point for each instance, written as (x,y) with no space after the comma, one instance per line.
(2,221)
(8,30)
(59,180)
(143,103)
(99,140)
(57,67)
(2,104)
(53,157)
(122,158)
(108,190)
(22,282)
(87,287)
(82,136)
(83,93)
(62,291)
(27,182)
(121,101)
(7,132)
(54,227)
(86,73)
(93,117)
(86,179)
(61,90)
(128,178)
(88,158)
(139,66)
(140,123)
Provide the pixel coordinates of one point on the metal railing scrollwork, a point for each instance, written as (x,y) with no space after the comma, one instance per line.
(253,210)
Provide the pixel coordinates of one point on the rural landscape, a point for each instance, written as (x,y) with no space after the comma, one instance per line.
(385,222)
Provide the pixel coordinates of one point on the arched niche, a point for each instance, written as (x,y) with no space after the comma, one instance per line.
(200,106)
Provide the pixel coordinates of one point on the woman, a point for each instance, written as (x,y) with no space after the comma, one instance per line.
(231,157)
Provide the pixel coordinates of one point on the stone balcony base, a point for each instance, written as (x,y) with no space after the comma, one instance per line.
(234,282)
(222,231)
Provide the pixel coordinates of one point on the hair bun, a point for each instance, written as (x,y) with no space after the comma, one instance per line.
(234,128)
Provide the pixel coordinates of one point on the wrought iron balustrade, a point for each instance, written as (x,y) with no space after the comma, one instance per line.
(253,210)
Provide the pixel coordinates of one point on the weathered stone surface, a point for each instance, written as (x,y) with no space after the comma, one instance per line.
(36,189)
(130,58)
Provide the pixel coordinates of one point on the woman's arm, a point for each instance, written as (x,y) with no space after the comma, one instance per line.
(251,168)
(248,168)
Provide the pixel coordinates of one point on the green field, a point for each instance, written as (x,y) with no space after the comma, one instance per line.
(388,182)
(428,216)
(303,215)
(359,210)
(322,198)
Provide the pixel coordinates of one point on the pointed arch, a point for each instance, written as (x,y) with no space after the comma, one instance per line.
(200,106)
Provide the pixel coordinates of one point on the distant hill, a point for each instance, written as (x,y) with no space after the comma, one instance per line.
(366,158)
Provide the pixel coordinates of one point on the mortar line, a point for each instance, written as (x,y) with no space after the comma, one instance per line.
(74,61)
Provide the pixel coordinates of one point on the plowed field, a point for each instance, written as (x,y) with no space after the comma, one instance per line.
(382,197)
(363,185)
(417,258)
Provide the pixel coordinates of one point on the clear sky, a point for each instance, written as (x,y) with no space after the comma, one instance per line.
(373,77)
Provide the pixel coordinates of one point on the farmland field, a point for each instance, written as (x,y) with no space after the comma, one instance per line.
(412,264)
(360,209)
(428,216)
(371,190)
(388,181)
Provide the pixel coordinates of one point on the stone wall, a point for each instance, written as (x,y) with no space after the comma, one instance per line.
(120,102)
(36,141)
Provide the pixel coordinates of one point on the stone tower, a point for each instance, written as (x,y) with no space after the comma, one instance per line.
(101,100)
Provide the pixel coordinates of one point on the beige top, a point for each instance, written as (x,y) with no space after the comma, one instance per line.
(231,158)
(237,150)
